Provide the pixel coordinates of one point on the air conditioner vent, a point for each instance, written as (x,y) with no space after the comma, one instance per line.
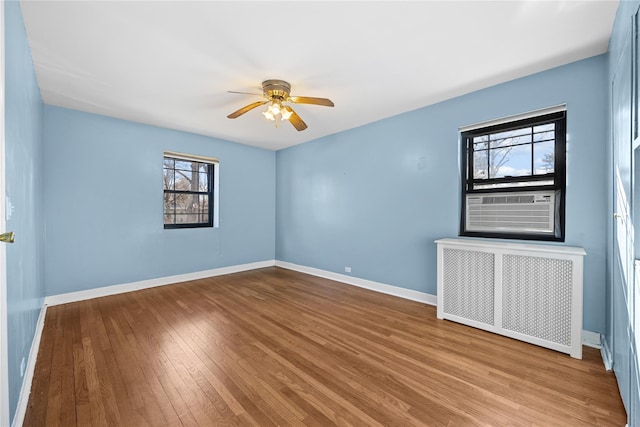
(501,200)
(511,212)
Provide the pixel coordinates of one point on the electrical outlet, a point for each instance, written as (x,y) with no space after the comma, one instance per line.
(347,269)
(22,363)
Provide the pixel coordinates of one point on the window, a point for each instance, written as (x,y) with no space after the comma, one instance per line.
(513,183)
(190,191)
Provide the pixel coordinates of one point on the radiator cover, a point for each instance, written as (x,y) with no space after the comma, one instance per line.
(528,292)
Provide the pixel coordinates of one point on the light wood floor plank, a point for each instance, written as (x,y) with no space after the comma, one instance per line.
(276,347)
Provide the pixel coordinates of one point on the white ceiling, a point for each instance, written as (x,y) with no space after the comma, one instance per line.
(171,63)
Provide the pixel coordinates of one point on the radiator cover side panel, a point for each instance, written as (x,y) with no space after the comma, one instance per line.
(536,297)
(469,284)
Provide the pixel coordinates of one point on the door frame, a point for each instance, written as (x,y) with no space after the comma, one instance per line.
(627,261)
(4,349)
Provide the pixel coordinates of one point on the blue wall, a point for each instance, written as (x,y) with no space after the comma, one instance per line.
(372,198)
(103,203)
(24,178)
(376,197)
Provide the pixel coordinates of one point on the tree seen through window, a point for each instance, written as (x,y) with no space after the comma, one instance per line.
(187,193)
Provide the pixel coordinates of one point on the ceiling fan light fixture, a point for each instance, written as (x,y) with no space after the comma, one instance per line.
(268,114)
(285,114)
(275,108)
(276,111)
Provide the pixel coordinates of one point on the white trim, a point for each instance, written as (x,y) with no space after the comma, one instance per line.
(591,339)
(4,345)
(422,297)
(190,157)
(515,117)
(216,195)
(543,247)
(607,358)
(363,283)
(151,283)
(23,400)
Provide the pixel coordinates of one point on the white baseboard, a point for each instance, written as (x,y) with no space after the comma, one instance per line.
(363,283)
(25,391)
(27,381)
(591,339)
(607,357)
(151,283)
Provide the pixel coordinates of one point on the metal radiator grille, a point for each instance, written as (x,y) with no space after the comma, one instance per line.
(536,297)
(468,279)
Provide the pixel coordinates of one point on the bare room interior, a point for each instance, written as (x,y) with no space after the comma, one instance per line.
(319,213)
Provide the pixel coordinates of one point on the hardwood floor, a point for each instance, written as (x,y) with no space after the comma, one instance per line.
(275,347)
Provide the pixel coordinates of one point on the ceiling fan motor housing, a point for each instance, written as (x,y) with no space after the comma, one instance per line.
(278,89)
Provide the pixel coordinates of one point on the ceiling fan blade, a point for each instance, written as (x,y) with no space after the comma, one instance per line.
(295,119)
(309,100)
(244,93)
(246,108)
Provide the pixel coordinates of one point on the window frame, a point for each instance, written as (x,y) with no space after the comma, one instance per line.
(211,169)
(559,175)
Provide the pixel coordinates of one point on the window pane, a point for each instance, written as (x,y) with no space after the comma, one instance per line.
(183,181)
(183,165)
(204,203)
(480,145)
(169,210)
(183,206)
(510,161)
(194,181)
(480,164)
(544,136)
(190,203)
(544,128)
(202,184)
(192,218)
(191,179)
(483,138)
(169,199)
(169,162)
(168,179)
(511,133)
(505,142)
(180,201)
(543,157)
(188,218)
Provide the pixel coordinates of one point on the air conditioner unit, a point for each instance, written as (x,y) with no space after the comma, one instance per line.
(530,212)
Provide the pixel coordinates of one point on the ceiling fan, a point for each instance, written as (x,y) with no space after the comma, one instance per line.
(277,93)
